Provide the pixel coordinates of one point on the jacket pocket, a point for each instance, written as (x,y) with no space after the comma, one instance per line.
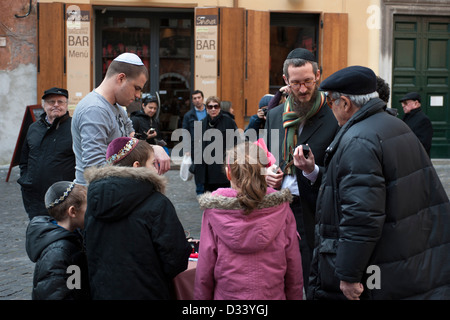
(327,259)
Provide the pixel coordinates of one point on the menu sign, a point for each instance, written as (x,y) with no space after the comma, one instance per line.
(78,54)
(206,54)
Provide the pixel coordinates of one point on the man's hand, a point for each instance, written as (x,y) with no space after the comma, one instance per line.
(162,159)
(351,290)
(304,164)
(274,179)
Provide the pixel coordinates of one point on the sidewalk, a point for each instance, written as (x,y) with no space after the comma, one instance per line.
(16,270)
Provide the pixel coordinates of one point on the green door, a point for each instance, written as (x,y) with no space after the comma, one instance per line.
(421,63)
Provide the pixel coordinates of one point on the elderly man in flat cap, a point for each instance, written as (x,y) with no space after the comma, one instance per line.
(47,155)
(383,215)
(416,119)
(304,118)
(99,117)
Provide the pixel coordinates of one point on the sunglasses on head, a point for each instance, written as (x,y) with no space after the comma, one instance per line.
(215,106)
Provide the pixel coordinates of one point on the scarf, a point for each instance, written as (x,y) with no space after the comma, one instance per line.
(291,122)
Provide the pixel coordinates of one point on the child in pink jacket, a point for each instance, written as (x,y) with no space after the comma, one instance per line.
(249,245)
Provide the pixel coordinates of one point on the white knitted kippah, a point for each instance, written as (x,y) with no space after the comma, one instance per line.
(130,58)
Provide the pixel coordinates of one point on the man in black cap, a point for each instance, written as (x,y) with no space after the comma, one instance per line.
(47,154)
(416,119)
(303,118)
(382,211)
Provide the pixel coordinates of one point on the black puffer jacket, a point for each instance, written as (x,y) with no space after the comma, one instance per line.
(381,203)
(135,242)
(54,249)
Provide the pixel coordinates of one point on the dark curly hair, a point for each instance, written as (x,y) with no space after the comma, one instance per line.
(383,89)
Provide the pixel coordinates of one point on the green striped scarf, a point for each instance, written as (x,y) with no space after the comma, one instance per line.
(291,122)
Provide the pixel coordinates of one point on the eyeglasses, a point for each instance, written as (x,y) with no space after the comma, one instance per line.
(330,101)
(297,84)
(215,106)
(53,102)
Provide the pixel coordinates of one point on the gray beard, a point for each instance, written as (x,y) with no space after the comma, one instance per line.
(302,108)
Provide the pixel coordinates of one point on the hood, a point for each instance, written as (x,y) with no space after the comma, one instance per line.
(246,233)
(40,233)
(114,192)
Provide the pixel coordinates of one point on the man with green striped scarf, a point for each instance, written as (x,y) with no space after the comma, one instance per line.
(304,118)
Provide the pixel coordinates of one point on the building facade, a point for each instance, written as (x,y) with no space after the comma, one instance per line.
(233,49)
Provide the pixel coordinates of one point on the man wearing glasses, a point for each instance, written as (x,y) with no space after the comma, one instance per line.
(47,155)
(303,119)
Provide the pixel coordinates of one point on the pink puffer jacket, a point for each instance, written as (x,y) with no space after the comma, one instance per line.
(253,257)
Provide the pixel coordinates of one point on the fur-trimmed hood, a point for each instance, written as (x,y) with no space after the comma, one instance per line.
(114,192)
(246,233)
(141,173)
(225,198)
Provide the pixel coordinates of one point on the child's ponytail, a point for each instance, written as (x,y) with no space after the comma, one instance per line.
(246,169)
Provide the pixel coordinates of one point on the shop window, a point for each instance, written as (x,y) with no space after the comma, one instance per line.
(287,32)
(163,40)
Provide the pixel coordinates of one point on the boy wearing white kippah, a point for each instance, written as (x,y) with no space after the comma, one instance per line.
(55,243)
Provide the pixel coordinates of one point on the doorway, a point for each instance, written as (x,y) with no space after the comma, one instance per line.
(164,41)
(287,32)
(421,63)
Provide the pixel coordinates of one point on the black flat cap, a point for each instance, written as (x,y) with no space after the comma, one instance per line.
(410,96)
(351,80)
(58,91)
(301,53)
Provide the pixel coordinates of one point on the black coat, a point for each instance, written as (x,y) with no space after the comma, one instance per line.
(47,157)
(211,170)
(420,124)
(318,132)
(54,249)
(381,203)
(135,243)
(142,123)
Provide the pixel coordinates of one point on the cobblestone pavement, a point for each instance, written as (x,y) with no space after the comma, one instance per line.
(16,270)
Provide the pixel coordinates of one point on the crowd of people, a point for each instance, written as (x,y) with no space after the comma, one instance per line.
(336,185)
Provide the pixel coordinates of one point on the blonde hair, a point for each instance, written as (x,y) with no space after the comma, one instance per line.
(245,163)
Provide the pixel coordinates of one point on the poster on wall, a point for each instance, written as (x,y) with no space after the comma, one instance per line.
(206,54)
(78,55)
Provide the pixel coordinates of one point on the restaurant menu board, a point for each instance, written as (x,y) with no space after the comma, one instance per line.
(78,54)
(206,54)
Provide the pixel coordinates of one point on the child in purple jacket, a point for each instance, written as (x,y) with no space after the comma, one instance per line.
(249,248)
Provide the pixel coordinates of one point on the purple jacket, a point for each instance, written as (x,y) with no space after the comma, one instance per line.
(253,257)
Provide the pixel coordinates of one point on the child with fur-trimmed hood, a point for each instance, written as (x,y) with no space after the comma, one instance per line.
(135,242)
(249,245)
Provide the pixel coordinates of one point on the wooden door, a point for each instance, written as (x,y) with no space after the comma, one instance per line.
(334,43)
(421,63)
(51,47)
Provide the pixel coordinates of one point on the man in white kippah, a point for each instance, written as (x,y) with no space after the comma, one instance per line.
(99,117)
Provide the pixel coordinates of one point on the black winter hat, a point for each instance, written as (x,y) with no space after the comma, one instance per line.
(410,96)
(351,80)
(58,91)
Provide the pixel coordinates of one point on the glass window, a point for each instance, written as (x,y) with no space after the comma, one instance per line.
(163,40)
(125,34)
(287,32)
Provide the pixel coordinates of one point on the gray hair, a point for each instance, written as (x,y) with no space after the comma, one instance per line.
(357,100)
(297,62)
